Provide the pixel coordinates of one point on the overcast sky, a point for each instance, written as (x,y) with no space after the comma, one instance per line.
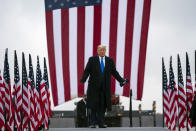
(172,31)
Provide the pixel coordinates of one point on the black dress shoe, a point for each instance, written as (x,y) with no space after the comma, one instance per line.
(102,126)
(92,126)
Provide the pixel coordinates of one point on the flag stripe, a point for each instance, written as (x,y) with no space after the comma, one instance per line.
(128,44)
(58,54)
(143,48)
(89,15)
(80,47)
(105,24)
(122,13)
(97,29)
(73,51)
(52,66)
(65,52)
(136,47)
(113,36)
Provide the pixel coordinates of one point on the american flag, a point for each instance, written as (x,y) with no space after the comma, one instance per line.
(40,85)
(46,106)
(2,118)
(173,98)
(45,77)
(181,97)
(189,90)
(74,30)
(195,74)
(17,93)
(38,107)
(33,99)
(26,94)
(166,107)
(193,108)
(9,109)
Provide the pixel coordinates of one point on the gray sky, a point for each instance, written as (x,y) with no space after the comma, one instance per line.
(172,31)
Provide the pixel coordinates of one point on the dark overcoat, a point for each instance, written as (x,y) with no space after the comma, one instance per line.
(93,70)
(82,120)
(193,112)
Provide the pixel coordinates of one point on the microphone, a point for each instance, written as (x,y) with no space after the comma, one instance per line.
(124,82)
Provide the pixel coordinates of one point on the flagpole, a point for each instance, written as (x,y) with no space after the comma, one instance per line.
(22,93)
(178,57)
(13,100)
(29,124)
(5,119)
(162,95)
(130,109)
(14,113)
(186,93)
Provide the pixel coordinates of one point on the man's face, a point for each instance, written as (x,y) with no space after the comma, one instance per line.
(101,52)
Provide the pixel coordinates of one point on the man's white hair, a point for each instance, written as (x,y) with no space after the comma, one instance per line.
(101,46)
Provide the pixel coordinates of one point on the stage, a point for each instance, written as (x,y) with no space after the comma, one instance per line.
(116,129)
(111,129)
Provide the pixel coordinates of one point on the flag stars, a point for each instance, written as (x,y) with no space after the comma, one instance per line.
(49,6)
(74,3)
(164,78)
(62,4)
(98,1)
(86,2)
(55,1)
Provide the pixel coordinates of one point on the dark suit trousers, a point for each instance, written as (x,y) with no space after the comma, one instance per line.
(99,112)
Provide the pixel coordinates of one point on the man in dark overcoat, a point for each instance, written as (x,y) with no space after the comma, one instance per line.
(99,69)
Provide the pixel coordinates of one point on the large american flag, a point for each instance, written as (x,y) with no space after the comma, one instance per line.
(17,93)
(76,27)
(166,108)
(181,97)
(189,90)
(173,98)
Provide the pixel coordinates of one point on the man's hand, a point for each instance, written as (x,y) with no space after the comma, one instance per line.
(124,82)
